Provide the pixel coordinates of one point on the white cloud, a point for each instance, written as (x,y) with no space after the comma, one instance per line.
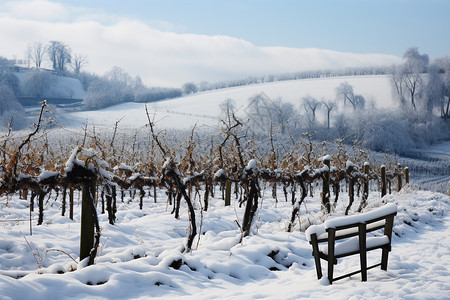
(36,10)
(159,57)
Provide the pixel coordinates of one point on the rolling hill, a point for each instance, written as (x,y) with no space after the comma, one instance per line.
(203,108)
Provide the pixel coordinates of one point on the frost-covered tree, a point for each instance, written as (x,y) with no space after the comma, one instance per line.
(407,79)
(37,83)
(438,86)
(10,108)
(435,91)
(115,87)
(101,93)
(10,79)
(283,114)
(190,88)
(342,127)
(383,130)
(266,114)
(259,110)
(345,92)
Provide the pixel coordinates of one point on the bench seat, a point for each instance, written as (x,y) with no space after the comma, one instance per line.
(351,246)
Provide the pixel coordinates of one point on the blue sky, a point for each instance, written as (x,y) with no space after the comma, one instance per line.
(173,41)
(361,26)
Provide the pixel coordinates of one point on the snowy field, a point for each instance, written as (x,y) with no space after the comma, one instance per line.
(140,256)
(203,108)
(137,254)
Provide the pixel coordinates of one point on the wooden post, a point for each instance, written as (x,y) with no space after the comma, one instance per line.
(87,219)
(71,203)
(63,206)
(326,185)
(114,195)
(228,193)
(102,195)
(41,207)
(365,195)
(206,197)
(351,194)
(407,175)
(141,197)
(383,181)
(399,178)
(33,195)
(366,182)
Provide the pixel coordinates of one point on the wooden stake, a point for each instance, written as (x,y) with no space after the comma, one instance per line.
(383,181)
(228,193)
(87,219)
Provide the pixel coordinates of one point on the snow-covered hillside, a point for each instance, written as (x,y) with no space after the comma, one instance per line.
(203,108)
(60,87)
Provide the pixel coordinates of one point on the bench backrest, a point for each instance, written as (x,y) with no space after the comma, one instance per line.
(349,226)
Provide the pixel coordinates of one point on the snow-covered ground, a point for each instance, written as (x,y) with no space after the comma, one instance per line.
(137,254)
(203,108)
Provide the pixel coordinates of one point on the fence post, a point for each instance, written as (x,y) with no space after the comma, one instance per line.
(87,218)
(383,181)
(228,193)
(399,178)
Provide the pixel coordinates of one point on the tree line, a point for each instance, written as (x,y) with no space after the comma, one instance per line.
(421,118)
(421,87)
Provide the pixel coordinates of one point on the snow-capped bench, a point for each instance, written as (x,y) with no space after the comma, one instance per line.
(352,230)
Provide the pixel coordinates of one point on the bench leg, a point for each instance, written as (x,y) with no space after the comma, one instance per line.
(363,261)
(363,252)
(384,258)
(330,270)
(318,266)
(315,253)
(331,258)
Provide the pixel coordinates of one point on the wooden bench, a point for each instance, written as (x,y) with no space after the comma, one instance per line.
(352,230)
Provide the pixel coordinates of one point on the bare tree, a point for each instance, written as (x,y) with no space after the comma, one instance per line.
(36,53)
(345,91)
(397,84)
(59,54)
(311,105)
(79,60)
(329,106)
